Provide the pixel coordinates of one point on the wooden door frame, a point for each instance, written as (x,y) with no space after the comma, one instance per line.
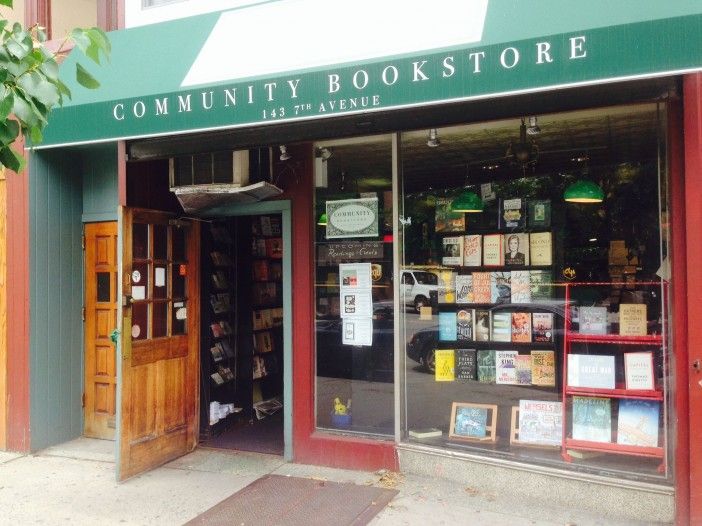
(284,208)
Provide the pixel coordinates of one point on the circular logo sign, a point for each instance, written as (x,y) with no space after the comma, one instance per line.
(136,276)
(136,331)
(352,218)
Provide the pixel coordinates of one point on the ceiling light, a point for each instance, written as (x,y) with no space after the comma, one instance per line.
(433,140)
(284,155)
(491,167)
(533,128)
(592,239)
(467,201)
(583,191)
(580,158)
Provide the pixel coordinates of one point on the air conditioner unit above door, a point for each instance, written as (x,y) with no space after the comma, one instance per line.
(230,168)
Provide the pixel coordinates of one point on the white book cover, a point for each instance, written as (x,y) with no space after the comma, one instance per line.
(521,286)
(493,255)
(591,370)
(473,250)
(464,288)
(638,370)
(506,367)
(453,250)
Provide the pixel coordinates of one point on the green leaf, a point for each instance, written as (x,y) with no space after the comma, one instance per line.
(3,23)
(9,130)
(63,89)
(50,69)
(23,111)
(35,134)
(80,39)
(41,35)
(37,87)
(11,159)
(99,38)
(18,46)
(8,3)
(85,79)
(6,105)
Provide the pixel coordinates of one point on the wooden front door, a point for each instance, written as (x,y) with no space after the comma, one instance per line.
(100,320)
(160,340)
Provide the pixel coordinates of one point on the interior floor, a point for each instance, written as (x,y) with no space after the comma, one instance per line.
(258,436)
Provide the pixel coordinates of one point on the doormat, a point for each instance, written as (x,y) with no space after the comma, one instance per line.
(292,501)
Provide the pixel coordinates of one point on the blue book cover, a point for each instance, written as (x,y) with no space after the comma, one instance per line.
(637,424)
(592,419)
(448,330)
(470,422)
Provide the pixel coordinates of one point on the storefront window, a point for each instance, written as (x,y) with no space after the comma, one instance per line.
(534,285)
(353,286)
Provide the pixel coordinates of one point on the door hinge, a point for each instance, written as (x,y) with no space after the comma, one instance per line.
(82,313)
(82,400)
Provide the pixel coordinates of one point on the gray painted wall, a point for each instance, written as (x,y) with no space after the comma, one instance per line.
(99,169)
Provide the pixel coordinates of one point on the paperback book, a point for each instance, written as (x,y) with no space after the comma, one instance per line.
(516,249)
(592,320)
(274,248)
(543,368)
(539,213)
(452,250)
(470,422)
(591,370)
(464,288)
(444,370)
(217,354)
(464,324)
(540,422)
(261,270)
(493,255)
(448,326)
(425,432)
(482,325)
(520,286)
(523,366)
(541,282)
(521,327)
(541,249)
(446,286)
(638,370)
(512,213)
(466,366)
(638,422)
(473,250)
(542,326)
(506,367)
(486,367)
(446,220)
(632,319)
(592,419)
(501,330)
(500,287)
(481,287)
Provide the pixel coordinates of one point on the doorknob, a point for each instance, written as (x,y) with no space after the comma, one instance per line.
(127,300)
(697,366)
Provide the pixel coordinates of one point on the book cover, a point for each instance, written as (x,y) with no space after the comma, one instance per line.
(481,287)
(540,422)
(220,259)
(632,319)
(506,367)
(258,320)
(217,354)
(452,250)
(523,366)
(542,326)
(258,247)
(219,280)
(543,368)
(274,248)
(425,432)
(217,331)
(444,365)
(591,370)
(500,287)
(512,213)
(516,249)
(464,324)
(261,270)
(226,328)
(275,225)
(464,288)
(275,270)
(466,366)
(446,286)
(473,250)
(539,213)
(225,372)
(447,220)
(520,286)
(638,422)
(482,325)
(486,367)
(541,249)
(493,255)
(259,367)
(217,378)
(219,303)
(266,229)
(501,330)
(638,370)
(541,282)
(592,320)
(470,422)
(592,419)
(448,329)
(263,342)
(521,327)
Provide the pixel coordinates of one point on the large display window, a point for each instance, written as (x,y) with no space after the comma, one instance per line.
(534,290)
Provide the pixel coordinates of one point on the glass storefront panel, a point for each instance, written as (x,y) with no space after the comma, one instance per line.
(353,286)
(534,279)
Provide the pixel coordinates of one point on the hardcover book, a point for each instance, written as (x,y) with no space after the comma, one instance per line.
(444,365)
(259,367)
(520,286)
(638,422)
(501,330)
(523,366)
(541,282)
(592,419)
(539,213)
(217,378)
(521,327)
(425,432)
(592,320)
(274,248)
(447,220)
(259,321)
(473,250)
(260,270)
(632,319)
(482,325)
(591,370)
(266,229)
(541,249)
(500,287)
(219,280)
(512,213)
(542,326)
(506,367)
(638,370)
(464,288)
(452,250)
(540,422)
(263,342)
(516,249)
(220,259)
(471,422)
(543,368)
(464,324)
(493,255)
(466,366)
(448,326)
(217,354)
(217,331)
(481,287)
(486,367)
(447,286)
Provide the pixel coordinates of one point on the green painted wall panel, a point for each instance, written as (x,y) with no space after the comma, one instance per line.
(99,169)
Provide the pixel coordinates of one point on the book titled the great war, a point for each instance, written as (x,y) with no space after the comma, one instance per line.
(543,368)
(542,326)
(501,287)
(539,213)
(481,287)
(466,366)
(464,288)
(464,324)
(521,286)
(473,250)
(486,366)
(447,326)
(592,419)
(541,248)
(521,327)
(512,213)
(591,370)
(493,255)
(506,367)
(501,329)
(632,319)
(482,325)
(452,250)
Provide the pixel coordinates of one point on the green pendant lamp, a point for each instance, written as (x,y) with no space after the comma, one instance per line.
(583,191)
(322,221)
(467,202)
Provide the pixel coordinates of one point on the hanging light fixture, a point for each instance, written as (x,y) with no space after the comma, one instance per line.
(284,155)
(433,139)
(523,153)
(583,191)
(322,221)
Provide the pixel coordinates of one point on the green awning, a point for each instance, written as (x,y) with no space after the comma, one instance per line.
(287,60)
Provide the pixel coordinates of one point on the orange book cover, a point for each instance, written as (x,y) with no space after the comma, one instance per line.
(521,327)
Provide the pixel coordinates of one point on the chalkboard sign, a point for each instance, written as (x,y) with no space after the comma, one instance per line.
(465,365)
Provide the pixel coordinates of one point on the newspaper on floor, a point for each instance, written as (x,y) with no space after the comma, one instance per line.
(268,407)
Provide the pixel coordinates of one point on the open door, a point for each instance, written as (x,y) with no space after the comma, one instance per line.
(158,386)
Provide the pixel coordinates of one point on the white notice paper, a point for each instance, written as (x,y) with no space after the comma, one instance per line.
(160,277)
(358,331)
(356,304)
(139,293)
(355,275)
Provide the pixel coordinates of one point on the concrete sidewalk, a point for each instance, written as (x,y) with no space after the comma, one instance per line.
(75,484)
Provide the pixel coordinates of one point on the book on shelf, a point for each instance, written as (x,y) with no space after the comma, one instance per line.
(493,255)
(481,287)
(595,371)
(522,364)
(226,348)
(465,324)
(219,303)
(261,270)
(217,330)
(541,283)
(471,422)
(543,368)
(258,247)
(521,327)
(632,319)
(446,220)
(225,372)
(275,226)
(446,286)
(516,247)
(274,248)
(452,250)
(217,354)
(500,287)
(448,327)
(259,321)
(592,419)
(481,329)
(275,270)
(501,327)
(464,288)
(638,422)
(226,327)
(638,370)
(219,280)
(506,367)
(539,213)
(425,432)
(220,259)
(473,250)
(277,316)
(465,366)
(444,361)
(259,367)
(486,366)
(592,320)
(266,229)
(512,213)
(264,293)
(263,342)
(520,286)
(540,422)
(542,326)
(217,378)
(541,248)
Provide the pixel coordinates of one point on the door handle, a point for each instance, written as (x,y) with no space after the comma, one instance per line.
(127,300)
(697,366)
